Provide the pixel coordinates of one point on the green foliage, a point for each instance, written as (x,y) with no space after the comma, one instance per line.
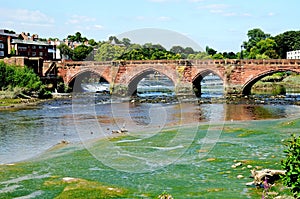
(149,54)
(264,49)
(77,37)
(292,165)
(109,52)
(254,36)
(218,56)
(81,52)
(200,55)
(230,55)
(210,51)
(23,78)
(92,42)
(287,41)
(184,52)
(65,51)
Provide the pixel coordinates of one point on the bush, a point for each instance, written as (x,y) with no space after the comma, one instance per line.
(23,78)
(292,166)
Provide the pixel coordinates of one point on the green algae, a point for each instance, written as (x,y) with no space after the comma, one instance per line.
(197,173)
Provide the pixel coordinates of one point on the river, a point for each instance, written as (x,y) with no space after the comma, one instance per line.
(27,132)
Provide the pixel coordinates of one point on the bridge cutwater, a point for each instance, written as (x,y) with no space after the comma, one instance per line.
(238,76)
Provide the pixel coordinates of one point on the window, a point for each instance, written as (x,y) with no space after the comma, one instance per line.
(40,47)
(1,53)
(41,54)
(1,46)
(33,47)
(33,54)
(21,48)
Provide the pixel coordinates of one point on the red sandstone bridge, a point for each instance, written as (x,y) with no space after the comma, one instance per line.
(238,75)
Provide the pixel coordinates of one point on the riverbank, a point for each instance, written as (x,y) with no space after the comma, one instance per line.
(19,103)
(75,170)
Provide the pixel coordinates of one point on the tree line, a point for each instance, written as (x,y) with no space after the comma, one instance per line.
(260,45)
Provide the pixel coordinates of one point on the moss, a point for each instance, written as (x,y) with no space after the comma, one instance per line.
(81,188)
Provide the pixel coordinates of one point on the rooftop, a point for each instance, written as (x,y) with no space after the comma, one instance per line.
(19,41)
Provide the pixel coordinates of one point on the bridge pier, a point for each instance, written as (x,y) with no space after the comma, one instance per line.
(184,89)
(233,89)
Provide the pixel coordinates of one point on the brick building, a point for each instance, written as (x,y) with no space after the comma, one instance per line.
(29,48)
(5,42)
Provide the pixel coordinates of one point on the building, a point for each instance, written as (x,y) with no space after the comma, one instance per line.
(30,46)
(5,42)
(293,54)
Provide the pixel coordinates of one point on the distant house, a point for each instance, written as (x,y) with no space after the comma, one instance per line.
(5,42)
(31,47)
(293,54)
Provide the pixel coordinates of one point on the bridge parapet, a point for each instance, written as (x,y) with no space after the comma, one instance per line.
(237,74)
(185,62)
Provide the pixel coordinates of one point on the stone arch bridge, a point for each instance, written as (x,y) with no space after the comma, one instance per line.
(238,75)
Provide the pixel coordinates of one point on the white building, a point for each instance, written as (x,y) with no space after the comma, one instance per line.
(293,54)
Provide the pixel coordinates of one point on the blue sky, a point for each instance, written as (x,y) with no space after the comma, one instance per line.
(220,24)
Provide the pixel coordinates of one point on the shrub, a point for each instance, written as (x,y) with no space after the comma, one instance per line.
(292,166)
(22,78)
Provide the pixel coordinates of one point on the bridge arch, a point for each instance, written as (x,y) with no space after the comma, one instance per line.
(134,80)
(199,77)
(246,89)
(75,82)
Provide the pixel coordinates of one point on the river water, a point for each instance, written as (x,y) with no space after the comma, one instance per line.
(27,132)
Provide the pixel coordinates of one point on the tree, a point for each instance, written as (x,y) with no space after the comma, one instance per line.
(287,41)
(92,42)
(77,37)
(153,46)
(199,55)
(177,50)
(81,52)
(149,54)
(218,56)
(254,36)
(108,52)
(126,42)
(65,51)
(188,50)
(264,49)
(210,51)
(230,55)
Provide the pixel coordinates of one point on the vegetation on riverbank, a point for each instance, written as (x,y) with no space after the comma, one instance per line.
(278,84)
(70,171)
(19,83)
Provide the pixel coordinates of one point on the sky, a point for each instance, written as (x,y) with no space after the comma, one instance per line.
(219,24)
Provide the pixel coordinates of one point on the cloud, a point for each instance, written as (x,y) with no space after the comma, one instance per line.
(247,15)
(25,15)
(230,14)
(164,18)
(195,1)
(160,19)
(215,8)
(271,14)
(77,19)
(98,27)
